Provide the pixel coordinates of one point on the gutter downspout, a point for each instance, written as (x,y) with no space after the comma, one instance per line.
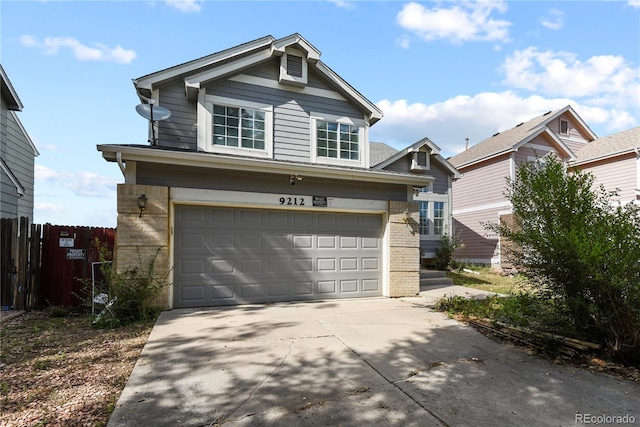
(121,163)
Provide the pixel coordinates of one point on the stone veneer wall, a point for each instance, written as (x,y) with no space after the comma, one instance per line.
(138,239)
(404,250)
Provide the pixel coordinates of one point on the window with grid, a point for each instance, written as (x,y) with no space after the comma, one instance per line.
(438,218)
(238,127)
(424,218)
(337,140)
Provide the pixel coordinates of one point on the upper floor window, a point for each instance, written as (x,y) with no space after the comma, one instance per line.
(238,127)
(232,126)
(338,140)
(424,218)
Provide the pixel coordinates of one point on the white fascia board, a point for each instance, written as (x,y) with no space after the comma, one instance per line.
(485,158)
(279,46)
(5,83)
(24,131)
(375,113)
(19,188)
(148,81)
(196,81)
(196,159)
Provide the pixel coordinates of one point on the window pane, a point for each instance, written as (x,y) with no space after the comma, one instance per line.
(247,143)
(233,111)
(424,218)
(219,110)
(232,141)
(332,126)
(259,115)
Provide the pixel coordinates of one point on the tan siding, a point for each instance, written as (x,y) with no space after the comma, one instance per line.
(619,172)
(481,185)
(480,245)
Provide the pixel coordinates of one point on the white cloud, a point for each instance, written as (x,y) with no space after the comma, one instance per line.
(82,183)
(44,207)
(477,117)
(554,19)
(605,79)
(465,21)
(99,52)
(343,4)
(187,6)
(634,3)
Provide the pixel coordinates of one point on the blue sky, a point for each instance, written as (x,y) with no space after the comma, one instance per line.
(444,70)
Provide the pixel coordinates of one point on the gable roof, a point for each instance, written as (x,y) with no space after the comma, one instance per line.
(613,145)
(8,92)
(433,149)
(379,152)
(514,138)
(198,72)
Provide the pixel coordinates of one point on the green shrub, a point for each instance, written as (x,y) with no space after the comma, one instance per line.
(131,293)
(581,252)
(448,245)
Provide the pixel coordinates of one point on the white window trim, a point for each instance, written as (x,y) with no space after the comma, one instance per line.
(363,141)
(205,126)
(415,166)
(560,127)
(431,198)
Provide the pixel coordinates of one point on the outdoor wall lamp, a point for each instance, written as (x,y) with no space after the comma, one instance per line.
(142,203)
(406,216)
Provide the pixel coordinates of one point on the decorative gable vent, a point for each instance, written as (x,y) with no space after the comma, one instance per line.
(420,161)
(294,65)
(293,68)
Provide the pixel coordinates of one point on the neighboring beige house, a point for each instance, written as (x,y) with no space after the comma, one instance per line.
(17,156)
(478,197)
(260,185)
(614,160)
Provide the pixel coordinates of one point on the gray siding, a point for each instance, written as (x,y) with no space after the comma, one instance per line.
(291,112)
(20,158)
(441,184)
(216,179)
(179,130)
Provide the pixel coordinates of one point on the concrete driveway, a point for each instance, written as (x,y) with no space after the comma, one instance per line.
(352,363)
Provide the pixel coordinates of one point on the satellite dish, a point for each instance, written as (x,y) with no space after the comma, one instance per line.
(153,113)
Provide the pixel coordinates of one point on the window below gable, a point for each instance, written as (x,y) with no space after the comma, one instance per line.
(338,141)
(233,126)
(564,127)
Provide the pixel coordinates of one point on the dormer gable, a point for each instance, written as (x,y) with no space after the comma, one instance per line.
(420,156)
(295,54)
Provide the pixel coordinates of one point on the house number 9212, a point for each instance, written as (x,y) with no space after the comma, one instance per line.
(292,201)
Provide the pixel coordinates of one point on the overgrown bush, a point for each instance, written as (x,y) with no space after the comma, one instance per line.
(448,245)
(581,251)
(131,293)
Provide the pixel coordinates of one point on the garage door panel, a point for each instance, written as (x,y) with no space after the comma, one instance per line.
(253,255)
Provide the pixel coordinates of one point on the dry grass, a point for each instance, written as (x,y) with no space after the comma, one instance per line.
(60,371)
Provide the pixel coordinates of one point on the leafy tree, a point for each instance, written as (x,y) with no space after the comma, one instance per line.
(581,250)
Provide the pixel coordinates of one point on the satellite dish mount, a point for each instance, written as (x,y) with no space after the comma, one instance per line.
(153,114)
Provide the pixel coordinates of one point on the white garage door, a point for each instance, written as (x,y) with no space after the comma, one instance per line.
(237,256)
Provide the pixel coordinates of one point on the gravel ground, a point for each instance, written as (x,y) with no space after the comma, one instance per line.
(60,371)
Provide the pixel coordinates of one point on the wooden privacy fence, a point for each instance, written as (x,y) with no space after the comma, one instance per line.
(48,264)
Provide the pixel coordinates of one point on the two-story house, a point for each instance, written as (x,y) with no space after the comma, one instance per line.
(17,156)
(259,187)
(479,196)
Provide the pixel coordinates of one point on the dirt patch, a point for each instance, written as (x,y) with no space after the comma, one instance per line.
(62,371)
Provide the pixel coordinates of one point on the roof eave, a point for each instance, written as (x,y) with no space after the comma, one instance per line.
(197,159)
(9,93)
(605,156)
